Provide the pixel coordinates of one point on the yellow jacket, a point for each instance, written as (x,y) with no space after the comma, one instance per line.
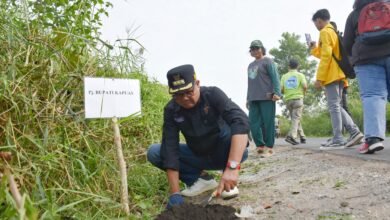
(328,70)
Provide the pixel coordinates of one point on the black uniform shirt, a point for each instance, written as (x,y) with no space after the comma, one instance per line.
(200,125)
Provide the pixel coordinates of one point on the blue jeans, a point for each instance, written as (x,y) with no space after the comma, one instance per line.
(374,84)
(192,165)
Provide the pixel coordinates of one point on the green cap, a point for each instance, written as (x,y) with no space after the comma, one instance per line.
(256,43)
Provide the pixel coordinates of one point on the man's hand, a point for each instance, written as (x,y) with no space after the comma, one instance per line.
(228,181)
(275,98)
(318,84)
(175,200)
(312,45)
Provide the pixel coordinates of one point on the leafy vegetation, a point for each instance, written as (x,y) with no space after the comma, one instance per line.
(290,47)
(335,216)
(65,165)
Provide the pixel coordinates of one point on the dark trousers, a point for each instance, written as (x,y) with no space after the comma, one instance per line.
(262,122)
(192,165)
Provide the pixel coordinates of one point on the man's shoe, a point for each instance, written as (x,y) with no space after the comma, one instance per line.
(375,146)
(231,194)
(199,187)
(326,142)
(354,139)
(333,146)
(371,145)
(303,140)
(291,140)
(364,149)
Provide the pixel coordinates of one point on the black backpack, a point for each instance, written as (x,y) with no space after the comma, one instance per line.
(344,63)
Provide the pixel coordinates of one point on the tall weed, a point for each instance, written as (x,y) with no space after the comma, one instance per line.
(63,162)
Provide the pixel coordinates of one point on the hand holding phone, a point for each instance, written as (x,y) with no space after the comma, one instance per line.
(308,40)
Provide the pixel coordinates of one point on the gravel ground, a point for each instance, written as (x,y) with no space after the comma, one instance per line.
(305,184)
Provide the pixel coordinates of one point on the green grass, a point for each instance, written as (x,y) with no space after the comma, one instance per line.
(318,124)
(339,184)
(66,165)
(335,216)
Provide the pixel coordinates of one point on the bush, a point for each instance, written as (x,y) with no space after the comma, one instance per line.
(64,163)
(318,124)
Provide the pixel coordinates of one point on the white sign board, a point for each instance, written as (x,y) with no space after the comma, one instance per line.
(108,97)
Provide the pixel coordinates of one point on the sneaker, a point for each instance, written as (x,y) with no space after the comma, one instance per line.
(326,142)
(354,139)
(267,152)
(303,140)
(291,140)
(371,146)
(333,146)
(231,194)
(260,149)
(378,146)
(364,149)
(199,187)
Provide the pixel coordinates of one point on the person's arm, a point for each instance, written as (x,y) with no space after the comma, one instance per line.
(274,75)
(349,34)
(315,50)
(247,104)
(175,198)
(239,126)
(282,84)
(173,180)
(170,150)
(229,177)
(326,56)
(231,113)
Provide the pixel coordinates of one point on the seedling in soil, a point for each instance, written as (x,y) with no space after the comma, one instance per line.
(339,184)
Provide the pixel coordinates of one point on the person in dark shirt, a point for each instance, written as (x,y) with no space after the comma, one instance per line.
(372,66)
(216,133)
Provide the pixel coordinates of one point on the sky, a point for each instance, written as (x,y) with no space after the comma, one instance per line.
(213,35)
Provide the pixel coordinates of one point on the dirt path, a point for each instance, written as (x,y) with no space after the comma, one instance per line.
(303,184)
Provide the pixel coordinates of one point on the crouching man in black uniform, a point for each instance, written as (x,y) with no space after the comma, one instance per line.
(216,134)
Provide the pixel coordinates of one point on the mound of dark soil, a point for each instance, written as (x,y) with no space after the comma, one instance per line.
(193,211)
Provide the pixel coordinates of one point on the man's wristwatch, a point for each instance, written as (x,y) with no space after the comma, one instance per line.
(233,165)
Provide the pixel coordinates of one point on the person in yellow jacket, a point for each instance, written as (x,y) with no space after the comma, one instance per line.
(331,77)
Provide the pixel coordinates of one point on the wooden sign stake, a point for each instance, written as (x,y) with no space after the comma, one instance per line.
(122,167)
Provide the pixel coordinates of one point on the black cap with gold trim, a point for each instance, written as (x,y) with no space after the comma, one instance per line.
(181,78)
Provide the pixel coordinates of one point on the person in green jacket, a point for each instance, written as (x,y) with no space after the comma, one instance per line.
(263,92)
(294,86)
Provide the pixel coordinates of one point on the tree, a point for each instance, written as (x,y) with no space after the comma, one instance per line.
(291,47)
